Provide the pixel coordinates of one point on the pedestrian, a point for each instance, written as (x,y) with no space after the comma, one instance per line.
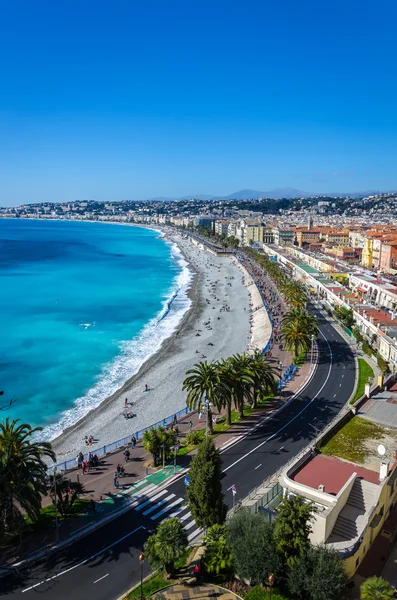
(133,441)
(177,430)
(126,403)
(200,415)
(93,505)
(190,425)
(197,572)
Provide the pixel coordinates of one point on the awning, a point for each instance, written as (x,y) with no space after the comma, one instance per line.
(360,289)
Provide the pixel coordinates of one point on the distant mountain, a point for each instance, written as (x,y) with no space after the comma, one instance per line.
(276,194)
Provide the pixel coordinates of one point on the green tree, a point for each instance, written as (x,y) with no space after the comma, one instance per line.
(318,574)
(67,493)
(241,380)
(357,334)
(23,473)
(295,293)
(217,557)
(297,329)
(165,546)
(345,315)
(250,539)
(204,494)
(203,384)
(263,376)
(159,440)
(292,528)
(376,588)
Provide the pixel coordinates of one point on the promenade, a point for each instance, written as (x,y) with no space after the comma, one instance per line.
(99,482)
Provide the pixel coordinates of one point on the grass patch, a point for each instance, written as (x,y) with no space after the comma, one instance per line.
(151,586)
(300,359)
(221,426)
(47,515)
(364,372)
(158,581)
(350,441)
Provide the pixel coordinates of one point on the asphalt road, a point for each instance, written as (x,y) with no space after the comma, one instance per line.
(105,564)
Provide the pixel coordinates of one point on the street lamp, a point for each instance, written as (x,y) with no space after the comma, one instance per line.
(141,560)
(54,471)
(175,449)
(311,354)
(163,447)
(207,409)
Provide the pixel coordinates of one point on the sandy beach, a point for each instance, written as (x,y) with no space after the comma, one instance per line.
(216,326)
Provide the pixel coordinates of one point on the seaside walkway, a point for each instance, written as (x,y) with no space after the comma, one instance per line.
(99,482)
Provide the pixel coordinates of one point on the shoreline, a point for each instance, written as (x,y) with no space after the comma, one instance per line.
(107,416)
(147,364)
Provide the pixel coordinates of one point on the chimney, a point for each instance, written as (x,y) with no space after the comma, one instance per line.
(384,469)
(321,488)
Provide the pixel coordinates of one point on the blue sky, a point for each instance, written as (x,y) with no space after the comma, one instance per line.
(132,99)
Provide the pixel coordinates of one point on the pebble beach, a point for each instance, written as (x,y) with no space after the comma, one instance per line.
(216,326)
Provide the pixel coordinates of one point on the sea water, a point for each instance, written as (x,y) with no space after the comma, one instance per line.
(82,306)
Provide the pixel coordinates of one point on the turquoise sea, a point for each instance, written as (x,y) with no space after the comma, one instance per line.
(82,305)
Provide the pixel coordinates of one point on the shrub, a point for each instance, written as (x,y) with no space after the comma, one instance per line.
(194,437)
(259,593)
(382,364)
(366,348)
(250,538)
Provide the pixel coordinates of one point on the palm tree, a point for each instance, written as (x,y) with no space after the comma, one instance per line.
(376,588)
(297,329)
(23,473)
(67,493)
(295,293)
(158,440)
(165,546)
(217,557)
(264,376)
(203,385)
(241,380)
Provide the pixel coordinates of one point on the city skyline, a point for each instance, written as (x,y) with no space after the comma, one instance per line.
(169,100)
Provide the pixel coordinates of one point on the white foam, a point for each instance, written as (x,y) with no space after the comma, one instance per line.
(133,353)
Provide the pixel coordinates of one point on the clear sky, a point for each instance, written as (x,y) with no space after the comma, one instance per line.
(132,99)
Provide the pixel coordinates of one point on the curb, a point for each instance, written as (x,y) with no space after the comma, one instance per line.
(82,532)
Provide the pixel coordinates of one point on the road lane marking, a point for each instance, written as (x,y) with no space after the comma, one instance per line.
(294,418)
(257,467)
(100,579)
(83,562)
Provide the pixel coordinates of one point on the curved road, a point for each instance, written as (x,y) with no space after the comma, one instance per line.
(105,564)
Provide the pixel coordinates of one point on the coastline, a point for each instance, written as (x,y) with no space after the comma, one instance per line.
(106,422)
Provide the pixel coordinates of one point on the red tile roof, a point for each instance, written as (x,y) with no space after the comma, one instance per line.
(332,473)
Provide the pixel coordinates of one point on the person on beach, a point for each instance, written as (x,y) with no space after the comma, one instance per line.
(146,387)
(126,403)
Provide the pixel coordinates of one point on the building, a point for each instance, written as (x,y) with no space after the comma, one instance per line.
(351,501)
(221,227)
(388,257)
(252,233)
(203,221)
(337,238)
(307,236)
(283,236)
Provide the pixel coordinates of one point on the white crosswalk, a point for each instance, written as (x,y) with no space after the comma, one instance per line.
(164,505)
